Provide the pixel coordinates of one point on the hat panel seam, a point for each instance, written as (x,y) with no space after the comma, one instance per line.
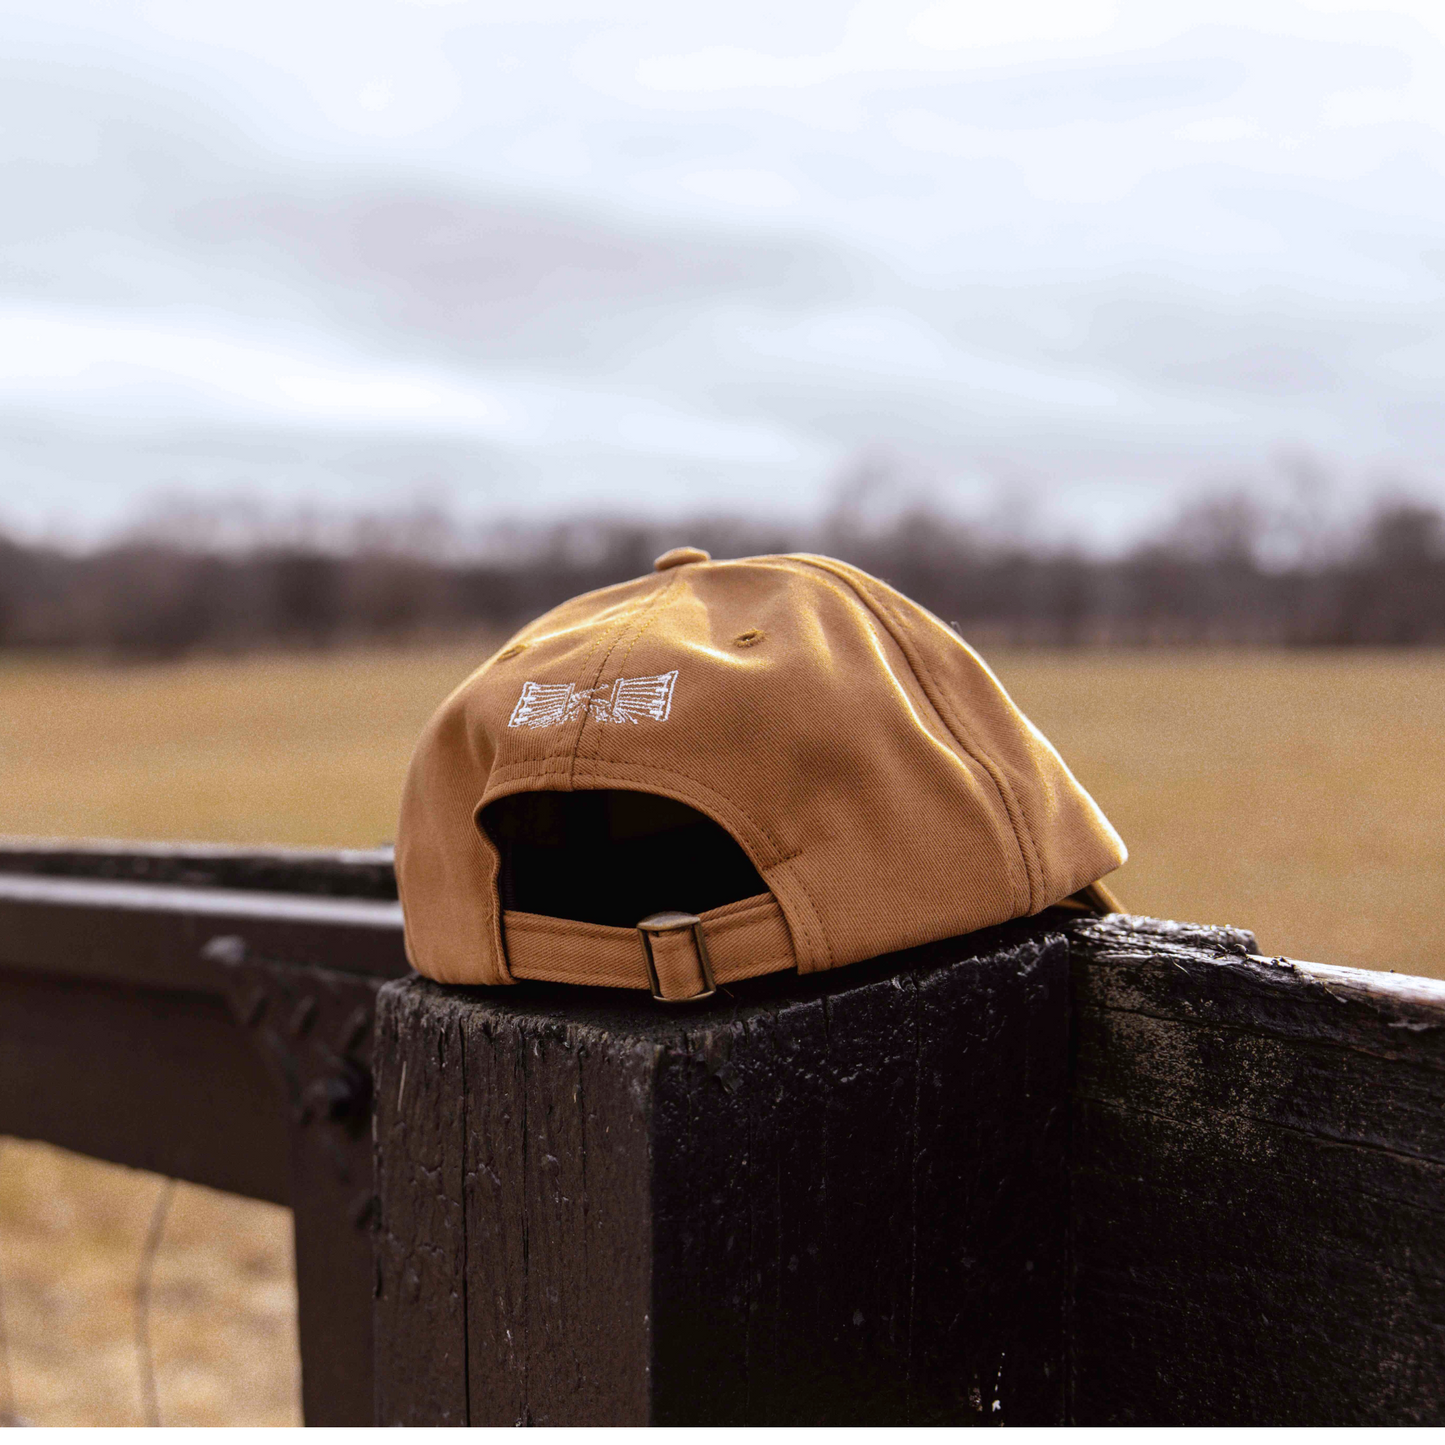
(948,716)
(555,763)
(493,897)
(813,923)
(481,957)
(565,748)
(661,600)
(656,605)
(1022,837)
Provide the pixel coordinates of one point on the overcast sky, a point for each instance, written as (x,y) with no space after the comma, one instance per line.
(548,257)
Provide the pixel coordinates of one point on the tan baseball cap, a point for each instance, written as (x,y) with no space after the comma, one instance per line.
(727,769)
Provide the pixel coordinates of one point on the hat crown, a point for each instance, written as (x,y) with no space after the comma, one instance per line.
(864,758)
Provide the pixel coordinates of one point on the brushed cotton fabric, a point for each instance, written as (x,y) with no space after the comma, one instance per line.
(865,758)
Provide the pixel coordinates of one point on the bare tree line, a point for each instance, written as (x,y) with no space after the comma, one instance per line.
(1216,574)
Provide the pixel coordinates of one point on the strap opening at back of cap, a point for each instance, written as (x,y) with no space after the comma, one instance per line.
(613,857)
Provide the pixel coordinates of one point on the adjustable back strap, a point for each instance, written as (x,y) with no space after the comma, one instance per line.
(741,940)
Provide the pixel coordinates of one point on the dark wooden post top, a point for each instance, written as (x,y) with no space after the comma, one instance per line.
(1114,1171)
(835,1199)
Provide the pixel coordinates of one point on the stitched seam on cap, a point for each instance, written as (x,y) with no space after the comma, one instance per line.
(665,600)
(813,924)
(813,918)
(1033,871)
(650,611)
(658,605)
(563,747)
(757,910)
(950,720)
(1033,868)
(1028,854)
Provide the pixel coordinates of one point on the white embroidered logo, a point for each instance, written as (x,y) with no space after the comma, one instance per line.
(628,700)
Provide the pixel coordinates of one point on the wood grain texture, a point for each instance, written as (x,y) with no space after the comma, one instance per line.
(1185,1185)
(1258,1186)
(832,1199)
(858,1199)
(558,1220)
(312,1028)
(420,1237)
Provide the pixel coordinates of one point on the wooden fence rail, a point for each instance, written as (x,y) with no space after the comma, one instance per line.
(207,1013)
(1112,1171)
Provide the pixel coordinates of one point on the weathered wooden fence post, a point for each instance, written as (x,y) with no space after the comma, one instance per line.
(838,1199)
(1258,1185)
(854,1199)
(1117,1171)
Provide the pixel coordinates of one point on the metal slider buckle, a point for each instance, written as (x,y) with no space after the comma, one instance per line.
(656,923)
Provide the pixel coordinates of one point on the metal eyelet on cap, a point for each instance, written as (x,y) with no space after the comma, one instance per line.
(680,557)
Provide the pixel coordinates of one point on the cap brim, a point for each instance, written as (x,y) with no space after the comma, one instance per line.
(1097,897)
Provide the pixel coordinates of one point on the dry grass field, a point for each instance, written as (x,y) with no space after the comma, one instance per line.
(223,1301)
(1299,794)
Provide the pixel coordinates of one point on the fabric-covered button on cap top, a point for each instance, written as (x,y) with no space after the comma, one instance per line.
(680,557)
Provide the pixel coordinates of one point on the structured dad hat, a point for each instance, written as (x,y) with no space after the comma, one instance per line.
(727,769)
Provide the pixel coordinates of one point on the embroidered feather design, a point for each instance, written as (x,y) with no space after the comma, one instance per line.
(627,700)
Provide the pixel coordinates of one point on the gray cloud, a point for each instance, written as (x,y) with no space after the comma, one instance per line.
(971,307)
(491,278)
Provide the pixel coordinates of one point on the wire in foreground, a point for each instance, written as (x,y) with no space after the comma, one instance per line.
(150,1405)
(9,1415)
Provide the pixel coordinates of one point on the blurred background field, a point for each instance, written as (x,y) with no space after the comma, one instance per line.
(1297,793)
(223,1298)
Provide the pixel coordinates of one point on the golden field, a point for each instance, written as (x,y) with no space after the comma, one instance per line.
(223,1298)
(1298,794)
